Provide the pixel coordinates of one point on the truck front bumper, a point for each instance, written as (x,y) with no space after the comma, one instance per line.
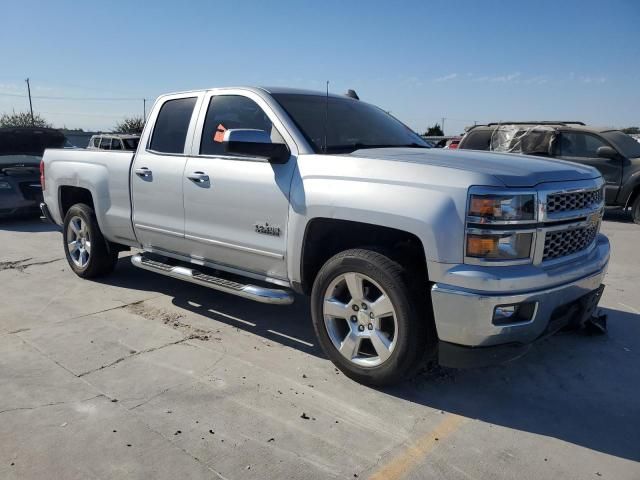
(472,334)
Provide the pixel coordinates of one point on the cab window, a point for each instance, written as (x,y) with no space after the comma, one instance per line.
(172,124)
(581,145)
(105,144)
(226,112)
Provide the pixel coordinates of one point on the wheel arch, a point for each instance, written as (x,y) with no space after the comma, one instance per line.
(325,237)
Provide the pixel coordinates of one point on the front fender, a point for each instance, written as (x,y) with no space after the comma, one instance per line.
(434,215)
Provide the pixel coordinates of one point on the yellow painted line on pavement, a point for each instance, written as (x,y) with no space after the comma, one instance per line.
(408,459)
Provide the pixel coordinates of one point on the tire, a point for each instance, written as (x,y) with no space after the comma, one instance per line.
(635,210)
(379,348)
(88,252)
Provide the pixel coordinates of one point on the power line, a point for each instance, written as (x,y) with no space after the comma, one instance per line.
(51,97)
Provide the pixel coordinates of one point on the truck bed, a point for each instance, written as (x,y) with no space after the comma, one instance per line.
(106,175)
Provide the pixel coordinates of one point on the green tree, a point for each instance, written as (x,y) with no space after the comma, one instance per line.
(633,130)
(130,125)
(435,131)
(22,119)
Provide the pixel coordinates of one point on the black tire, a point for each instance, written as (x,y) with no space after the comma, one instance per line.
(415,338)
(635,210)
(101,259)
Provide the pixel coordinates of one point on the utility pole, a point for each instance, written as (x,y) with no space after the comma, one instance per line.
(144,109)
(33,122)
(443,119)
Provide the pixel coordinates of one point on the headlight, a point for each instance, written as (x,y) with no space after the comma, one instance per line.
(502,207)
(5,186)
(499,246)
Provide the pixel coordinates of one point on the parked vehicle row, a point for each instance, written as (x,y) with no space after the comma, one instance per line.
(408,253)
(615,154)
(21,151)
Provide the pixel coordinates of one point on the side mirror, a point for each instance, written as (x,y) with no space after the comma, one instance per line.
(255,143)
(607,152)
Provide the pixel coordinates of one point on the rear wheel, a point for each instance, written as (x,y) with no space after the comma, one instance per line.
(368,319)
(87,251)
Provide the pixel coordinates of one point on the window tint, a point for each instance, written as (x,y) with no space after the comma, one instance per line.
(105,143)
(345,124)
(228,112)
(477,140)
(96,142)
(131,143)
(580,145)
(170,131)
(115,144)
(624,143)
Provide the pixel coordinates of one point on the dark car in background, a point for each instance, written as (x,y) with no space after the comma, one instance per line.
(614,153)
(21,150)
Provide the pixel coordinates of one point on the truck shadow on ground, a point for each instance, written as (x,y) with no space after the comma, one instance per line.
(27,225)
(571,387)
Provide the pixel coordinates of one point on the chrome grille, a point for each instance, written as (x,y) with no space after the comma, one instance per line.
(566,202)
(566,242)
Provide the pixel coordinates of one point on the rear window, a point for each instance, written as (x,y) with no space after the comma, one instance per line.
(170,131)
(476,140)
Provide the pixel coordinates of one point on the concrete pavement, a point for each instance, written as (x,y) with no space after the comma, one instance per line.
(141,376)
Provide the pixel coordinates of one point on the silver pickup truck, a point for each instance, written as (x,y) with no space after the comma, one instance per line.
(408,253)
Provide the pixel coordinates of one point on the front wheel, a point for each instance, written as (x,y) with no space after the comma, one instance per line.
(370,321)
(87,251)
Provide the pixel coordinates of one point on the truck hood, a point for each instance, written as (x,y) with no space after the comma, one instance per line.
(513,170)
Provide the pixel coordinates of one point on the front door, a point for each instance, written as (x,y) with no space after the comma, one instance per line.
(236,208)
(157,174)
(582,148)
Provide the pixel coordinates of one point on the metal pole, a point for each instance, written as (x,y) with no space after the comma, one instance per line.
(144,109)
(443,119)
(33,122)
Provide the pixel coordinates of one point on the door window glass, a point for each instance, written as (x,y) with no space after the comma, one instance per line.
(170,130)
(226,112)
(105,144)
(115,144)
(580,145)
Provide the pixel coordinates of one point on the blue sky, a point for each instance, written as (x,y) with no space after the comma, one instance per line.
(464,60)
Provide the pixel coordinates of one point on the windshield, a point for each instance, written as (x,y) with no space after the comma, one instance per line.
(348,124)
(626,145)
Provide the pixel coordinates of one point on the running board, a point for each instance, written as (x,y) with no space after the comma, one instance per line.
(252,292)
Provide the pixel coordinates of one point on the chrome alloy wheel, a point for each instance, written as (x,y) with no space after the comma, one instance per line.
(360,319)
(78,242)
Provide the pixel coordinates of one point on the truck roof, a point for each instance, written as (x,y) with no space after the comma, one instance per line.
(269,90)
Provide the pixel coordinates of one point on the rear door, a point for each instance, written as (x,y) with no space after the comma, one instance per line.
(582,147)
(230,201)
(157,174)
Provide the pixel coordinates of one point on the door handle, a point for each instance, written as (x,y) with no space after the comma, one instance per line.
(143,172)
(198,177)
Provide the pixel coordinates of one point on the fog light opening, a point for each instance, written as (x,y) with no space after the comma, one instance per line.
(514,313)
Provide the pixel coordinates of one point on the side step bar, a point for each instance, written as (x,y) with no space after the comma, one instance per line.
(252,292)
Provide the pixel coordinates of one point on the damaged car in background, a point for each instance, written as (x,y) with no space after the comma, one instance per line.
(614,153)
(21,150)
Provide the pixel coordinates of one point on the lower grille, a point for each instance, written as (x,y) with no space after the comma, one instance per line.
(567,242)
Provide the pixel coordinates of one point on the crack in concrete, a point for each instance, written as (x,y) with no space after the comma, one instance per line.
(51,404)
(122,359)
(21,266)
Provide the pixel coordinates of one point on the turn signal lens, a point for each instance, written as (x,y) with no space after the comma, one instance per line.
(481,246)
(499,246)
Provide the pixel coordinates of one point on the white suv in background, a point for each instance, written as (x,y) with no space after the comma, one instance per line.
(114,141)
